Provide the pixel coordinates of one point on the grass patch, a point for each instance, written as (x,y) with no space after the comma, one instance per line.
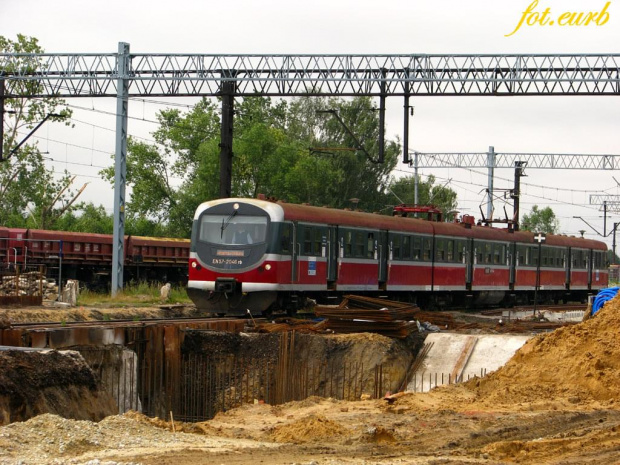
(134,295)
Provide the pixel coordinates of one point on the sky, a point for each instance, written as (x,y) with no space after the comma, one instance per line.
(553,124)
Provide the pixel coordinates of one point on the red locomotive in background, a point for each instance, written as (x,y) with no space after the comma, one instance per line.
(88,257)
(256,254)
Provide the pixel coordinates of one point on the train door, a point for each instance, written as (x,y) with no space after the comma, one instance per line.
(567,267)
(296,250)
(589,266)
(383,259)
(332,256)
(512,263)
(469,256)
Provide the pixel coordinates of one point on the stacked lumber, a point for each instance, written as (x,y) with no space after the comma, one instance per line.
(280,325)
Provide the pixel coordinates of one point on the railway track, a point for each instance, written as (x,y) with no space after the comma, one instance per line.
(132,323)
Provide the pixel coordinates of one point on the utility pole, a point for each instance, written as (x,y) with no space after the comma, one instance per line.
(491,168)
(120,167)
(416,198)
(1,116)
(613,246)
(516,193)
(406,121)
(226,138)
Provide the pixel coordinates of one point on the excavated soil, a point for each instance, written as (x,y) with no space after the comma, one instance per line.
(32,383)
(554,402)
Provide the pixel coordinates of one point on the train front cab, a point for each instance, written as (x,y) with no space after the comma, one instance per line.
(229,270)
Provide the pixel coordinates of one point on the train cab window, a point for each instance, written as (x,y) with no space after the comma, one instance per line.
(231,230)
(396,247)
(426,244)
(370,242)
(417,247)
(359,244)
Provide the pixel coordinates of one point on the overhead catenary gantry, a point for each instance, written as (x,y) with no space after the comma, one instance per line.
(124,74)
(492,160)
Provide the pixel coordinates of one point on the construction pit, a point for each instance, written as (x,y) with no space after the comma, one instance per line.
(207,396)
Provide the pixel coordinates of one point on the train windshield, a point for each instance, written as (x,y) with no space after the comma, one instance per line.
(233,229)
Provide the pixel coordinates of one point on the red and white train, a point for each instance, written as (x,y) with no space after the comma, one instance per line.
(255,254)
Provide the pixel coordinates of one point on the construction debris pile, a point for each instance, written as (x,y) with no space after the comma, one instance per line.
(32,283)
(357,314)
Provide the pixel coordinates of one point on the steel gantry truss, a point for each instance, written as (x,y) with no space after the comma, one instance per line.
(507,160)
(492,160)
(124,74)
(152,74)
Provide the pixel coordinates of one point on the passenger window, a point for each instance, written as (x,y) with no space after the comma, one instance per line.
(440,257)
(359,244)
(487,253)
(417,247)
(370,249)
(396,247)
(348,244)
(427,250)
(285,242)
(406,253)
(318,240)
(450,251)
(496,254)
(307,240)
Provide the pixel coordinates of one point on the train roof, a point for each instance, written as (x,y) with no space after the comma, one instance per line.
(313,214)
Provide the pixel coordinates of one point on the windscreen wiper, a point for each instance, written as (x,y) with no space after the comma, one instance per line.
(226,222)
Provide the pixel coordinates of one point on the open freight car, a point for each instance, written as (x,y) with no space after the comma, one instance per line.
(88,257)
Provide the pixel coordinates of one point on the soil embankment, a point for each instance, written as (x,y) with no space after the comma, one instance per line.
(554,402)
(33,383)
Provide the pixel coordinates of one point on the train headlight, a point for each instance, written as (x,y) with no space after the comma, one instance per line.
(267,266)
(193,264)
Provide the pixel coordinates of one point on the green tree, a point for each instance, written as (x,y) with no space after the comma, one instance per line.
(343,174)
(91,219)
(429,193)
(26,185)
(169,178)
(541,220)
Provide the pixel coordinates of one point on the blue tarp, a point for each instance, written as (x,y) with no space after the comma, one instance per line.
(603,296)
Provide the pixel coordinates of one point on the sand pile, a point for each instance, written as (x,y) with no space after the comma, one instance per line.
(577,364)
(310,429)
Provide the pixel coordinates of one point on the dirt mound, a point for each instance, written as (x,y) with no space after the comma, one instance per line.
(174,426)
(310,429)
(32,383)
(577,364)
